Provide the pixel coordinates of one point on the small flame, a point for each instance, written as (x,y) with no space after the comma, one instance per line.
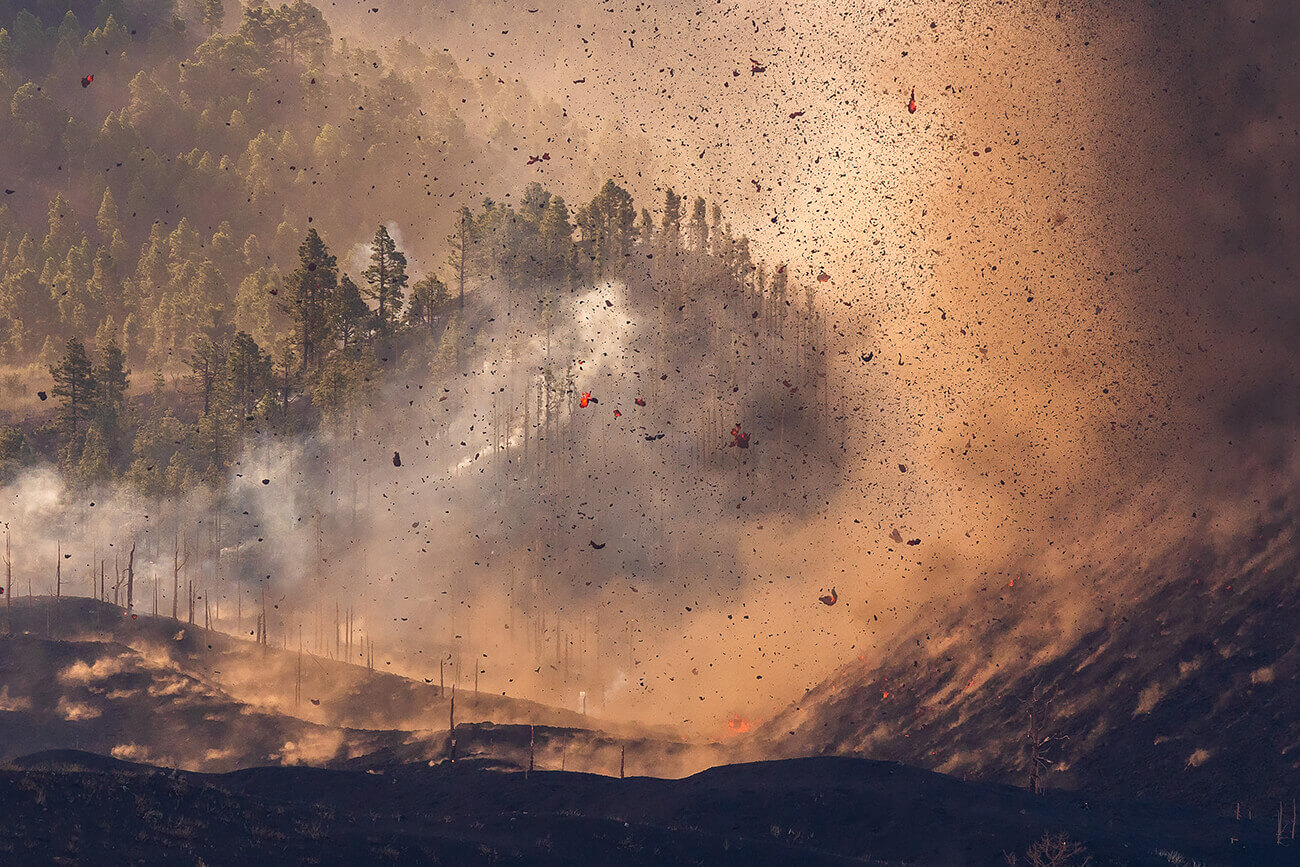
(586,398)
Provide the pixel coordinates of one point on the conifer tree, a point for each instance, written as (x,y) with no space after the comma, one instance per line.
(308,292)
(387,279)
(74,384)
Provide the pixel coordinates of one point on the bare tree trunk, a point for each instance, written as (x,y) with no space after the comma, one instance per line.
(9,582)
(130,580)
(451,729)
(176,572)
(464,251)
(58,569)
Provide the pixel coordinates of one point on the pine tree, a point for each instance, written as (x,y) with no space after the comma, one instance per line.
(698,227)
(74,383)
(249,376)
(462,244)
(607,232)
(214,15)
(109,412)
(308,292)
(106,221)
(672,222)
(207,361)
(430,300)
(348,312)
(62,228)
(387,279)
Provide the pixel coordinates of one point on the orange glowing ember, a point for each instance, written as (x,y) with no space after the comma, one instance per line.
(639,402)
(823,277)
(736,723)
(911,103)
(739,438)
(586,398)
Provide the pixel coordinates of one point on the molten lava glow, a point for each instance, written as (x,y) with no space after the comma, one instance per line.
(586,398)
(737,723)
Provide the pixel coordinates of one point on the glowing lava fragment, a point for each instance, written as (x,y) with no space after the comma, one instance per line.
(586,399)
(739,438)
(617,414)
(823,277)
(829,599)
(911,102)
(639,402)
(86,80)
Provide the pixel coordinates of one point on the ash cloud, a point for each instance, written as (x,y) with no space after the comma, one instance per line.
(1070,268)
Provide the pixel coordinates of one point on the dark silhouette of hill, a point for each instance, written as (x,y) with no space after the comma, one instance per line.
(810,811)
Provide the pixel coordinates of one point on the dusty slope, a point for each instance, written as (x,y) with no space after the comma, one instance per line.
(82,674)
(1182,687)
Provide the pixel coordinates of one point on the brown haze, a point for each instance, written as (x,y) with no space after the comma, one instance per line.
(1070,268)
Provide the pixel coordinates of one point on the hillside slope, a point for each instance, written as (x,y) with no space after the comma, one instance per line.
(81,674)
(808,811)
(1184,691)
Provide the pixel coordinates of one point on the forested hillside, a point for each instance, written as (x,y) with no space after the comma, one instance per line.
(203,234)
